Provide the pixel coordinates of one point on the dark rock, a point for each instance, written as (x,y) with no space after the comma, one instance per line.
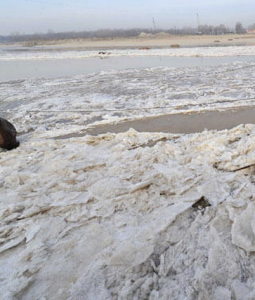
(144,48)
(8,135)
(201,203)
(175,46)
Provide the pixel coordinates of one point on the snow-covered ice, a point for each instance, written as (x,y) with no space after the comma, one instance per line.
(82,54)
(129,215)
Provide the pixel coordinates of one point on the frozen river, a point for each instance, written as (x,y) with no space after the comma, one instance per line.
(128,215)
(18,63)
(71,103)
(19,69)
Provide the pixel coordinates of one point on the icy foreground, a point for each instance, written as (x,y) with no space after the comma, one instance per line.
(117,217)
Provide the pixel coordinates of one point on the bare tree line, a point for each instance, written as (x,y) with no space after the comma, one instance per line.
(115,33)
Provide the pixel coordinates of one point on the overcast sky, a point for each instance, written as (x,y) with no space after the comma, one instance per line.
(30,16)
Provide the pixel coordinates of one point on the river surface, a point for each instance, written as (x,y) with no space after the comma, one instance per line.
(56,68)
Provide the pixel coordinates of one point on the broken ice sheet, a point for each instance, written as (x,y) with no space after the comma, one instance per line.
(69,105)
(243,229)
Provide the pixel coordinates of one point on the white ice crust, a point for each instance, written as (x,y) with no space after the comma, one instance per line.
(82,54)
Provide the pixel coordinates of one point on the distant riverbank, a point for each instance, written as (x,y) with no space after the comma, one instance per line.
(143,41)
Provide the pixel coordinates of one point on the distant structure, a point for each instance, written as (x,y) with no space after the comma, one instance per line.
(154,24)
(198,22)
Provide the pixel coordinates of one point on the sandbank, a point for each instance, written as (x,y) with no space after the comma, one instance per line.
(150,41)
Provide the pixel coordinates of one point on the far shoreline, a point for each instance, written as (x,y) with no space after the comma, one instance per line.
(148,42)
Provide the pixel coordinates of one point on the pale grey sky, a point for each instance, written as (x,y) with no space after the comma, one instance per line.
(29,16)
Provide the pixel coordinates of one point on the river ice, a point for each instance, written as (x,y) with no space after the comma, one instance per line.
(73,103)
(39,54)
(129,215)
